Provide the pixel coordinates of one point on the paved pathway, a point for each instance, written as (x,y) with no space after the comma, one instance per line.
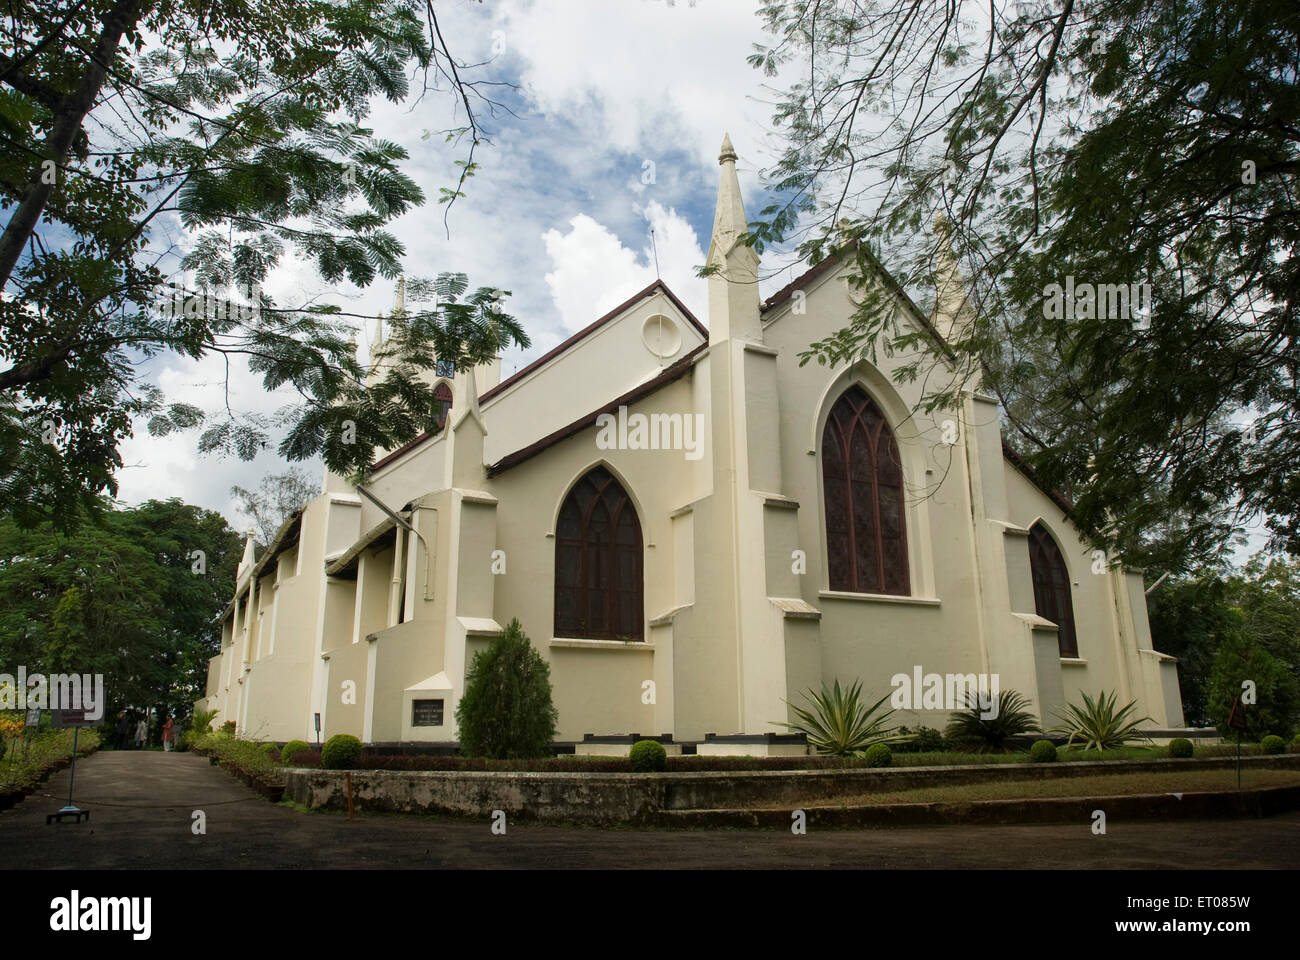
(142,803)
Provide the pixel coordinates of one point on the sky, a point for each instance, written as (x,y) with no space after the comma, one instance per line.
(620,109)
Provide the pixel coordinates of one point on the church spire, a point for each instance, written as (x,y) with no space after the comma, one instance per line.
(399,298)
(952,309)
(734,309)
(729,220)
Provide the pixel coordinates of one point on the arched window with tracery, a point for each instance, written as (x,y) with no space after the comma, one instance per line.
(1052,600)
(598,590)
(441,406)
(862,479)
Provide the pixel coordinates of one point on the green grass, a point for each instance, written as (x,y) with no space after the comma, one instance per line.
(29,766)
(1113,785)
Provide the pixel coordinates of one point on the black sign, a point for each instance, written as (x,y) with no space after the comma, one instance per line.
(1236,718)
(70,718)
(426,713)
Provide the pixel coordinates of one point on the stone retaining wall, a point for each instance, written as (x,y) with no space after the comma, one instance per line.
(638,798)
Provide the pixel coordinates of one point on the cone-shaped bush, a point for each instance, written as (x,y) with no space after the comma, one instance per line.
(506,710)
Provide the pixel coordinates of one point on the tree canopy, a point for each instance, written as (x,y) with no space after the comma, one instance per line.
(239,127)
(1117,181)
(135,596)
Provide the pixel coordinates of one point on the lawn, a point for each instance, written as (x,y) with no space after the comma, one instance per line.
(1112,785)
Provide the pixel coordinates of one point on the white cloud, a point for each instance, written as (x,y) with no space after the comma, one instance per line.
(593,272)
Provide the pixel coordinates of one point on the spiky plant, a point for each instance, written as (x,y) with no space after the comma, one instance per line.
(1098,726)
(838,723)
(971,729)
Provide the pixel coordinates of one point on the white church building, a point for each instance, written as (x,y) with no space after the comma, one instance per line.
(693,530)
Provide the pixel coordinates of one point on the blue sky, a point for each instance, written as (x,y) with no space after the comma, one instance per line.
(559,213)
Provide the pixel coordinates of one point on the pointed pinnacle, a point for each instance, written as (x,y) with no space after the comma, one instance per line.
(728,151)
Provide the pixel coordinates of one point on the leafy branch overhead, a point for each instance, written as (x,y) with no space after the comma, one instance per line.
(1098,145)
(236,134)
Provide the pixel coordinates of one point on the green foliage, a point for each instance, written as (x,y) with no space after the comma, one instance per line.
(1239,659)
(268,750)
(121,597)
(1097,725)
(340,752)
(839,723)
(1166,154)
(970,729)
(1043,751)
(239,129)
(878,755)
(506,710)
(1192,619)
(292,749)
(920,740)
(648,756)
(32,762)
(1180,748)
(1272,744)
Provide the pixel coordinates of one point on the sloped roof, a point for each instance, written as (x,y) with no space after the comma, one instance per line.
(669,374)
(544,359)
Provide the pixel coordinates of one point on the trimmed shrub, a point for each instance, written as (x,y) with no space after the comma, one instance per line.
(292,749)
(923,740)
(1272,744)
(507,710)
(878,755)
(340,752)
(1180,748)
(1043,751)
(648,756)
(267,750)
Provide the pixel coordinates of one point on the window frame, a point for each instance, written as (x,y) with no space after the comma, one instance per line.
(891,553)
(575,623)
(1044,567)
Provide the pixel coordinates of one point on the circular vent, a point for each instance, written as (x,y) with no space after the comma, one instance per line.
(661,336)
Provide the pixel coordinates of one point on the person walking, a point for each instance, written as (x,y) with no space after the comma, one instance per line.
(122,733)
(168,734)
(141,733)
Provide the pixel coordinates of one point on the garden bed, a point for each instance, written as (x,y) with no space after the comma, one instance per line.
(48,752)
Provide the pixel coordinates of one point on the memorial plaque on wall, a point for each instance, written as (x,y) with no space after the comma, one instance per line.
(426,713)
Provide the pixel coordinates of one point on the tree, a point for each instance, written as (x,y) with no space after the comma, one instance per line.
(239,125)
(135,596)
(1108,143)
(1242,660)
(278,495)
(1250,613)
(507,710)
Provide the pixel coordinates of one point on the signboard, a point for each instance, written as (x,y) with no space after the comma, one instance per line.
(33,720)
(1236,718)
(71,718)
(318,724)
(426,713)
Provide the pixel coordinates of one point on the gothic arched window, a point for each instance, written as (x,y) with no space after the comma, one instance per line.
(598,562)
(1052,587)
(866,535)
(441,406)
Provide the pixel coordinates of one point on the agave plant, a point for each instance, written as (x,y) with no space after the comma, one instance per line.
(971,729)
(1098,726)
(839,723)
